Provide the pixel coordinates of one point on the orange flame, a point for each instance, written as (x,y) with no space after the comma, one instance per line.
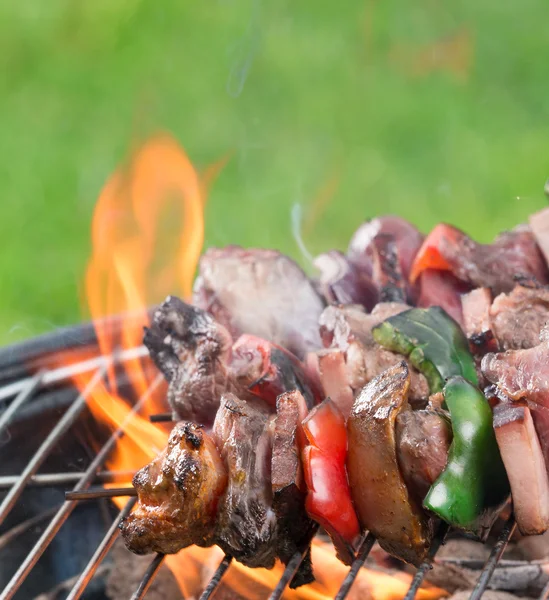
(147,235)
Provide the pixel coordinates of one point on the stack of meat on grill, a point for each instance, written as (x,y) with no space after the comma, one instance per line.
(406,386)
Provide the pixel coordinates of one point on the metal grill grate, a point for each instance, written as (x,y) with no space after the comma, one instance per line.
(25,388)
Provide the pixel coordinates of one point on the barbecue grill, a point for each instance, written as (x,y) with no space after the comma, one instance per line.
(27,373)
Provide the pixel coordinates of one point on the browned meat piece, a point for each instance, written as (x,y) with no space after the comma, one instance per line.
(382,500)
(539,223)
(521,453)
(197,356)
(246,523)
(514,254)
(343,281)
(193,352)
(518,317)
(386,269)
(407,238)
(261,292)
(178,495)
(438,288)
(348,330)
(423,440)
(520,374)
(477,322)
(295,529)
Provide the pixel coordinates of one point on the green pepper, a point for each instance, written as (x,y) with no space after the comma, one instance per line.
(432,340)
(472,489)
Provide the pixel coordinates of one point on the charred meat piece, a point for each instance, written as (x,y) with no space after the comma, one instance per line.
(382,500)
(477,321)
(246,523)
(521,453)
(178,495)
(343,281)
(513,254)
(438,288)
(261,292)
(295,529)
(520,374)
(200,362)
(386,269)
(347,330)
(423,440)
(267,370)
(518,317)
(193,352)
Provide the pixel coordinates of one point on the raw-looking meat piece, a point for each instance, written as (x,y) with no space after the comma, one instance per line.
(438,288)
(261,292)
(178,495)
(521,453)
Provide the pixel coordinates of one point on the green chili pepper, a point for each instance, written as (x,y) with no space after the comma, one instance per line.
(473,487)
(432,340)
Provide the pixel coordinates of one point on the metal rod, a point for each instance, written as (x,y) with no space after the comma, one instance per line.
(53,479)
(288,575)
(47,445)
(216,578)
(22,397)
(69,371)
(495,555)
(67,507)
(23,527)
(100,553)
(545,592)
(95,493)
(427,564)
(161,417)
(148,578)
(361,557)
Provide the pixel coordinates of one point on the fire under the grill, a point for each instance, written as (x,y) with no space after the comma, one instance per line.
(54,548)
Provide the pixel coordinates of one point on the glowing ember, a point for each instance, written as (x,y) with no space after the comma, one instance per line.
(147,236)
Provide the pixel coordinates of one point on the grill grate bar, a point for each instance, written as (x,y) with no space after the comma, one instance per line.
(23,396)
(216,578)
(288,574)
(68,506)
(62,426)
(53,479)
(70,371)
(100,553)
(148,578)
(495,555)
(361,556)
(24,526)
(427,564)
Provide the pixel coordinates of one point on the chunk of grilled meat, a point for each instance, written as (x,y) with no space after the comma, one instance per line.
(382,501)
(193,352)
(423,438)
(178,495)
(355,358)
(295,529)
(246,523)
(385,248)
(198,358)
(477,320)
(512,254)
(518,317)
(440,288)
(261,292)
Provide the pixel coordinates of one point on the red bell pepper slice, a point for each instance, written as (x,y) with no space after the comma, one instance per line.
(328,496)
(431,253)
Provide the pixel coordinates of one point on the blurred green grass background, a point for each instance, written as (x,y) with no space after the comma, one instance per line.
(433,110)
